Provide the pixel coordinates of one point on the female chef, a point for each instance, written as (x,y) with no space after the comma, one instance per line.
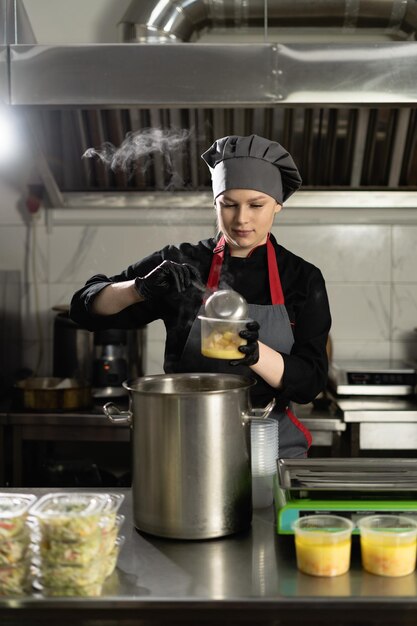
(286,344)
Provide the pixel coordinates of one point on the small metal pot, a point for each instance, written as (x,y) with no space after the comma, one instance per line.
(50,393)
(191,453)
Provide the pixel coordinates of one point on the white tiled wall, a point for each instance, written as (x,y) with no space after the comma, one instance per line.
(370,271)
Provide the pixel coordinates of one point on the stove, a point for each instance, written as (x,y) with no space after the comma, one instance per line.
(372,378)
(378,403)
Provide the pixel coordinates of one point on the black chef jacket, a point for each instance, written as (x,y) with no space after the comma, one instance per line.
(305,372)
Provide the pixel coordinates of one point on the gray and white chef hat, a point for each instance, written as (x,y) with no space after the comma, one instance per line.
(252,162)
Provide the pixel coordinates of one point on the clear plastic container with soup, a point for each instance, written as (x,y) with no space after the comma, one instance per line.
(323,544)
(388,544)
(220,337)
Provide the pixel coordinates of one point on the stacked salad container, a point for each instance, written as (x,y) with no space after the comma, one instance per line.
(15,556)
(64,544)
(76,542)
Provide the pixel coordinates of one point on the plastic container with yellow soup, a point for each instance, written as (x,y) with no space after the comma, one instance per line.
(323,544)
(388,544)
(220,337)
(225,316)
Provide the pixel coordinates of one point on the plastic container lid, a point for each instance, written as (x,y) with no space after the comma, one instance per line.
(225,322)
(113,502)
(226,304)
(68,517)
(13,514)
(15,504)
(68,505)
(111,523)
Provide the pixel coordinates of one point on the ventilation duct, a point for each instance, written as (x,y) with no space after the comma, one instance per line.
(16,27)
(159,21)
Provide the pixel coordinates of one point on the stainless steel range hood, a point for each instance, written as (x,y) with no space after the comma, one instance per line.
(347,110)
(185,75)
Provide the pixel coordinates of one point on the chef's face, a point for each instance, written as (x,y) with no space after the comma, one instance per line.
(245,218)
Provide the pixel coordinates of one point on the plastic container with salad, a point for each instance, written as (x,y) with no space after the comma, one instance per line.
(110,560)
(69,517)
(14,542)
(70,552)
(13,514)
(110,533)
(15,579)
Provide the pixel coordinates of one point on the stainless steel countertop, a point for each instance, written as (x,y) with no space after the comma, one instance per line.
(91,416)
(314,419)
(319,419)
(380,416)
(67,418)
(252,571)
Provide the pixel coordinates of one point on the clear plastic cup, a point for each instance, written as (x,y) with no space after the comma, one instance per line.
(220,337)
(264,446)
(323,544)
(262,491)
(264,453)
(388,544)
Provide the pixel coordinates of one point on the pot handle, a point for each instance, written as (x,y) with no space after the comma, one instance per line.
(111,411)
(259,414)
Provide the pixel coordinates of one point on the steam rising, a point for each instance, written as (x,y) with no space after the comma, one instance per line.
(140,144)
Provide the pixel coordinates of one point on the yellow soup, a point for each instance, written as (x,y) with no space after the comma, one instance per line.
(384,556)
(319,557)
(222,345)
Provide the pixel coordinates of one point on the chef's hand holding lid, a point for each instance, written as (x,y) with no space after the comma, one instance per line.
(165,278)
(251,349)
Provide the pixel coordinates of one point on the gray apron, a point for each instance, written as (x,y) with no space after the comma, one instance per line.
(275,331)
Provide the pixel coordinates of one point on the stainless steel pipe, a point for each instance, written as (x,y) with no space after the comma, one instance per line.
(162,21)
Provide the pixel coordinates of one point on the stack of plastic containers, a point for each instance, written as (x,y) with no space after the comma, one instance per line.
(14,543)
(75,542)
(264,453)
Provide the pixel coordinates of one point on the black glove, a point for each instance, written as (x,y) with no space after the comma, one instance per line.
(251,349)
(166,277)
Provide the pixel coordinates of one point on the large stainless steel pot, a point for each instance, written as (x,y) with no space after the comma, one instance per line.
(191,465)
